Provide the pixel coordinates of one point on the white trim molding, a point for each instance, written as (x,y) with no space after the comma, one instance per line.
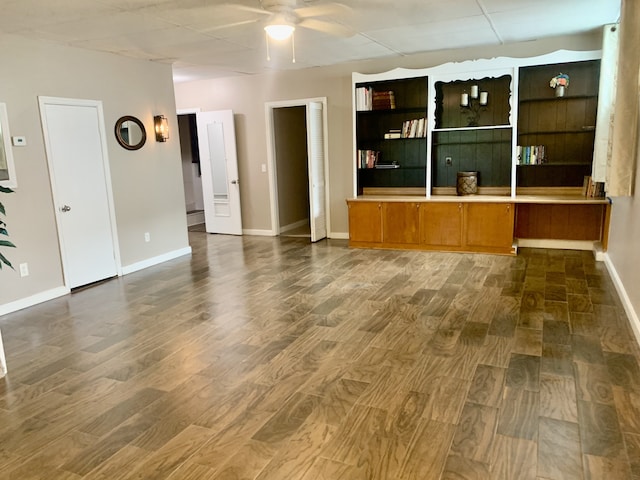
(258,232)
(634,321)
(150,262)
(338,235)
(33,300)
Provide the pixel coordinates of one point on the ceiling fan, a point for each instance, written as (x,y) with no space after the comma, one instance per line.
(286,15)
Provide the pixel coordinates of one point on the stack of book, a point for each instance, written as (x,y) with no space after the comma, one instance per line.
(392,134)
(592,189)
(368,158)
(364,98)
(384,100)
(531,155)
(416,128)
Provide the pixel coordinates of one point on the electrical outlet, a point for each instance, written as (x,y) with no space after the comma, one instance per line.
(448,161)
(147,237)
(24,269)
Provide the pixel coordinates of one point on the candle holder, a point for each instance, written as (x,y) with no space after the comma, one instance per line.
(473,104)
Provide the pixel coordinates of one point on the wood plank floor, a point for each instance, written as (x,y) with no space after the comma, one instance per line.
(265,358)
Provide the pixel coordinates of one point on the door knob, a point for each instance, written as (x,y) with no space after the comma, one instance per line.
(235,182)
(65,208)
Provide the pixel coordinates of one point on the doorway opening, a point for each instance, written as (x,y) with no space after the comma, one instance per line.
(292,173)
(296,153)
(191,171)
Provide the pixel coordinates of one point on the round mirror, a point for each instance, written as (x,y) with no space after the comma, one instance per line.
(130,132)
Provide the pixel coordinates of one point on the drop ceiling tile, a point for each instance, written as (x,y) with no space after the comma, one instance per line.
(531,22)
(104,26)
(448,34)
(27,15)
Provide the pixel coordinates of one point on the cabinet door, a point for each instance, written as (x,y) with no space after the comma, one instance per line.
(441,224)
(400,222)
(365,222)
(489,225)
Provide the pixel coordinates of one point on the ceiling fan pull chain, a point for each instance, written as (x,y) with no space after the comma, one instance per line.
(293,47)
(267,37)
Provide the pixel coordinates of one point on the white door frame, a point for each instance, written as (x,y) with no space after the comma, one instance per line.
(271,157)
(97,104)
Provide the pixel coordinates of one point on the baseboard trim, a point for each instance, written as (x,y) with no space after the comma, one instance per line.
(555,244)
(293,226)
(622,293)
(33,300)
(339,235)
(150,262)
(261,233)
(196,218)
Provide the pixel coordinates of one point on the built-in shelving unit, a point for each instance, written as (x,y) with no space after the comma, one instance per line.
(408,155)
(490,117)
(564,125)
(521,109)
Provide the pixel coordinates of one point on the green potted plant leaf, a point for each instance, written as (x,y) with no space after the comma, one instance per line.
(3,231)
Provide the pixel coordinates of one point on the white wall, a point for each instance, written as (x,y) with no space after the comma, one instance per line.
(624,249)
(147,183)
(246,96)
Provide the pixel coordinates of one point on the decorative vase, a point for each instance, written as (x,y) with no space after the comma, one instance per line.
(560,91)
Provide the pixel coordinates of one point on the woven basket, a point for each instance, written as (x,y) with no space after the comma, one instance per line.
(467,183)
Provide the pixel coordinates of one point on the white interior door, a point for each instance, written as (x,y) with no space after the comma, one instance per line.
(219,164)
(316,159)
(74,139)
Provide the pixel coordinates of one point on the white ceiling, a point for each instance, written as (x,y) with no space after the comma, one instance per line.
(186,33)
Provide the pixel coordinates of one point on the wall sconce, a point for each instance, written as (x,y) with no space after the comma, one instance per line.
(161,125)
(472,107)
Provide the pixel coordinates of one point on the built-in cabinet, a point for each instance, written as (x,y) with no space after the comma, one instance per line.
(450,226)
(479,116)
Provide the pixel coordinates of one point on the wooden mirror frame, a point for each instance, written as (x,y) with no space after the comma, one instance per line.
(122,141)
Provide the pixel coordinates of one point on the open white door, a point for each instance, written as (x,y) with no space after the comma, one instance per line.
(219,164)
(315,158)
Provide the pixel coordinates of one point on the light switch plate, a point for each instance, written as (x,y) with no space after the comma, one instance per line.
(19,141)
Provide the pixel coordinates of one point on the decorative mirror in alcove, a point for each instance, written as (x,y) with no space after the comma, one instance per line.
(130,132)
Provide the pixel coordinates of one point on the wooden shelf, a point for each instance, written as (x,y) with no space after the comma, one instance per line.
(471,143)
(553,164)
(559,132)
(484,127)
(557,99)
(401,111)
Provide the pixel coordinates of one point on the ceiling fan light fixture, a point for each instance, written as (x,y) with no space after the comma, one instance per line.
(279,31)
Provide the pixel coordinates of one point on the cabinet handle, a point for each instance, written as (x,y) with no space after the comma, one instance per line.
(508,207)
(379,205)
(417,205)
(459,206)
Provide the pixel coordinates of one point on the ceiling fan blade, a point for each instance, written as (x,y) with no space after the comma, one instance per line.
(229,25)
(323,10)
(326,27)
(246,8)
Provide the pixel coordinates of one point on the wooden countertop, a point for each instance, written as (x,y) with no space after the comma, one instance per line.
(540,199)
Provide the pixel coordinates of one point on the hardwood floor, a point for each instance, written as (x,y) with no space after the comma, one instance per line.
(270,358)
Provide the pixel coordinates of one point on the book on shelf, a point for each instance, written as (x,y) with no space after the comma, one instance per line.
(367,99)
(416,128)
(383,100)
(392,135)
(531,155)
(387,165)
(592,189)
(368,158)
(364,98)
